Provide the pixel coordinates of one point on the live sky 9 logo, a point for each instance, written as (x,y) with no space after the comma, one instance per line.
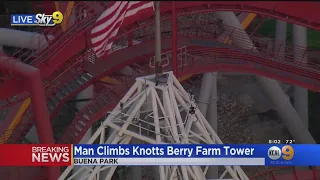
(49,20)
(286,153)
(39,19)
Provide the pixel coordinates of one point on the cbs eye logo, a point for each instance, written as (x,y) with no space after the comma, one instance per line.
(286,152)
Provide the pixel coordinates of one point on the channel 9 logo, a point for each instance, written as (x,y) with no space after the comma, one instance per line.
(286,152)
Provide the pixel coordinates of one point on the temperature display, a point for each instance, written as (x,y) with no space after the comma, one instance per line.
(290,141)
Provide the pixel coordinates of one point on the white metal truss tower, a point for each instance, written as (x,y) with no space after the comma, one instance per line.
(160,114)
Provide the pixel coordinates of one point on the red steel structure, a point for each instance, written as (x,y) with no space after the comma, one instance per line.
(69,51)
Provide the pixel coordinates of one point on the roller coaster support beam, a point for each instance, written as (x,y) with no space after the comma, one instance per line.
(156,173)
(87,93)
(281,37)
(23,39)
(38,102)
(157,32)
(300,94)
(174,39)
(136,171)
(272,88)
(205,90)
(212,116)
(279,45)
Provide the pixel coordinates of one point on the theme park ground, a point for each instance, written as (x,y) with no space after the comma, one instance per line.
(268,29)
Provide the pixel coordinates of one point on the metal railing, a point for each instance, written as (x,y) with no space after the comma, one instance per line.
(48,48)
(209,33)
(195,59)
(107,97)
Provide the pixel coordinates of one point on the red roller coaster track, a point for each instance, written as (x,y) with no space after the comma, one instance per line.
(78,35)
(197,60)
(61,66)
(262,63)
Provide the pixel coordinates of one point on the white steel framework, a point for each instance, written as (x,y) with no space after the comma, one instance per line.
(172,118)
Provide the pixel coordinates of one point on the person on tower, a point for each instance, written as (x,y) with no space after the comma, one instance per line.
(158,68)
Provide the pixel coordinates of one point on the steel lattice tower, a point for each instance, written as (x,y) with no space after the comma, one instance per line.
(156,114)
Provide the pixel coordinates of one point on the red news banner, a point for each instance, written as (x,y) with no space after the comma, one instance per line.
(35,155)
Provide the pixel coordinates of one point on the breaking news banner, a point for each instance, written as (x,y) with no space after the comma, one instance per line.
(35,155)
(244,155)
(153,155)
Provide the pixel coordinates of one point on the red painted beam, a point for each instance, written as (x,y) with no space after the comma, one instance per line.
(48,7)
(33,81)
(293,12)
(78,43)
(10,88)
(100,107)
(195,67)
(286,11)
